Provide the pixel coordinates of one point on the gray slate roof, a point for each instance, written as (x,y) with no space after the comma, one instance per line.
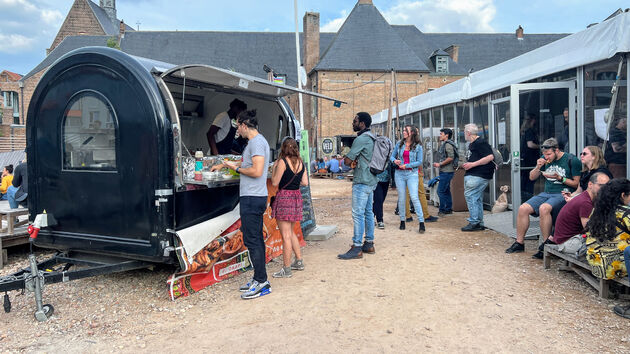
(423,48)
(111,28)
(253,49)
(482,50)
(11,158)
(366,42)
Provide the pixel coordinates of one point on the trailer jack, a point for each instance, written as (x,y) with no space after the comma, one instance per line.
(35,283)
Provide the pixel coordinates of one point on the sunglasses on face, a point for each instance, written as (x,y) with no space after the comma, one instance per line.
(583,153)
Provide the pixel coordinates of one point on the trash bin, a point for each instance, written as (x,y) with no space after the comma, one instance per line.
(457,190)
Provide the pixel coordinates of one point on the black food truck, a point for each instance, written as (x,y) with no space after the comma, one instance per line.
(113,144)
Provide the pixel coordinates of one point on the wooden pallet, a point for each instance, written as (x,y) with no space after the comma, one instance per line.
(323,175)
(583,269)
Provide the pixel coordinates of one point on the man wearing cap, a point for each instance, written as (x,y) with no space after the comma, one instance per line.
(561,170)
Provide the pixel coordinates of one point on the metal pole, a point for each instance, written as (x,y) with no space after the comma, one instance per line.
(297,56)
(389,108)
(395,83)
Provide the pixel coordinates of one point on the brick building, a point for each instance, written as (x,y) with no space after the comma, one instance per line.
(349,65)
(84,20)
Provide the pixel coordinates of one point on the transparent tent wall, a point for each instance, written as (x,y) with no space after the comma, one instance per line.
(598,81)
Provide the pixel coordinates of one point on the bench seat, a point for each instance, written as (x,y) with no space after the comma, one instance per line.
(583,269)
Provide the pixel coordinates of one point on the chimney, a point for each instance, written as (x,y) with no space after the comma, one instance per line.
(110,8)
(311,41)
(519,33)
(365,2)
(121,32)
(453,52)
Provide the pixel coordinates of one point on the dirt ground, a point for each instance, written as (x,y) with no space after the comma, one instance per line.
(443,291)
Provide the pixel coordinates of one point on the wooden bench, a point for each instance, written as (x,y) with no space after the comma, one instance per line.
(9,235)
(583,269)
(323,175)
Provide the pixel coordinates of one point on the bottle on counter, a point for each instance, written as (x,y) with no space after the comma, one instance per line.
(198,165)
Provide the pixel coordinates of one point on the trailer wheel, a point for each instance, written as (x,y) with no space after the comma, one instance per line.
(48,310)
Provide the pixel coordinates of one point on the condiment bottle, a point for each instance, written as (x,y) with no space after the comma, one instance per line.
(198,165)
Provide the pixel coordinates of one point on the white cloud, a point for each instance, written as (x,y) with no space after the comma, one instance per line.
(334,24)
(52,17)
(27,25)
(14,43)
(444,15)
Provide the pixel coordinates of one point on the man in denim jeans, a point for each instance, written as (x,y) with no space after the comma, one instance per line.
(447,168)
(479,170)
(253,200)
(363,185)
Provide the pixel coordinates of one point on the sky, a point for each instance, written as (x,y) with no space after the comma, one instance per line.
(28,27)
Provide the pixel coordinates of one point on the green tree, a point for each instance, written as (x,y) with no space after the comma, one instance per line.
(112,42)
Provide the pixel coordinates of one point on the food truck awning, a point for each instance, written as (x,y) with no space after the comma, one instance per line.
(236,81)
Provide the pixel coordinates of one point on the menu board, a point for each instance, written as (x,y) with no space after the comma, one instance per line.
(308,214)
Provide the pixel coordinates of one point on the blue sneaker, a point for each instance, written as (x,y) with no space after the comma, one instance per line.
(245,287)
(256,290)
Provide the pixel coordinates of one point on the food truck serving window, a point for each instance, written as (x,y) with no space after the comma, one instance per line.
(89,133)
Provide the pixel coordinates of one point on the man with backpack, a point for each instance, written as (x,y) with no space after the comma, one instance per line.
(363,185)
(561,170)
(449,161)
(479,168)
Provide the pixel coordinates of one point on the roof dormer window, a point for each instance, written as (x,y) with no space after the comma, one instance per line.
(441,64)
(439,58)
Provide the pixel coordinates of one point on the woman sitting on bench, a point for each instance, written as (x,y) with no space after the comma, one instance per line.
(608,234)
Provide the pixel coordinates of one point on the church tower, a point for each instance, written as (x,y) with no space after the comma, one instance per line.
(110,8)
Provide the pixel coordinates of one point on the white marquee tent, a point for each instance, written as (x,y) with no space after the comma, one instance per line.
(599,42)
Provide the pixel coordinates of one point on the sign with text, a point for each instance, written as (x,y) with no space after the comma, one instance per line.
(327,146)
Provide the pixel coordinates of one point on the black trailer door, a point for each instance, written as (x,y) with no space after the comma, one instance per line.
(97,138)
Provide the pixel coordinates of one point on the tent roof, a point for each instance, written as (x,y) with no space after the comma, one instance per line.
(596,43)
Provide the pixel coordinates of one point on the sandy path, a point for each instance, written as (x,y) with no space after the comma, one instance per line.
(441,291)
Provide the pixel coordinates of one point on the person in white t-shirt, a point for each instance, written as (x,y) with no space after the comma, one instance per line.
(222,131)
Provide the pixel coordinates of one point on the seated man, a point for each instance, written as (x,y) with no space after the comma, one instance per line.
(561,171)
(321,166)
(7,180)
(333,165)
(18,190)
(572,219)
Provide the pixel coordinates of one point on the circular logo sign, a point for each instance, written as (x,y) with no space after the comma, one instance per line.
(327,146)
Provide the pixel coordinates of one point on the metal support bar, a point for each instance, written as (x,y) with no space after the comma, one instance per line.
(17,280)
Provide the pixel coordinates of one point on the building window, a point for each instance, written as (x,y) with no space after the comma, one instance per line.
(10,99)
(89,133)
(441,64)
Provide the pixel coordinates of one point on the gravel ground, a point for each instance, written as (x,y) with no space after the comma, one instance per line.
(441,291)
